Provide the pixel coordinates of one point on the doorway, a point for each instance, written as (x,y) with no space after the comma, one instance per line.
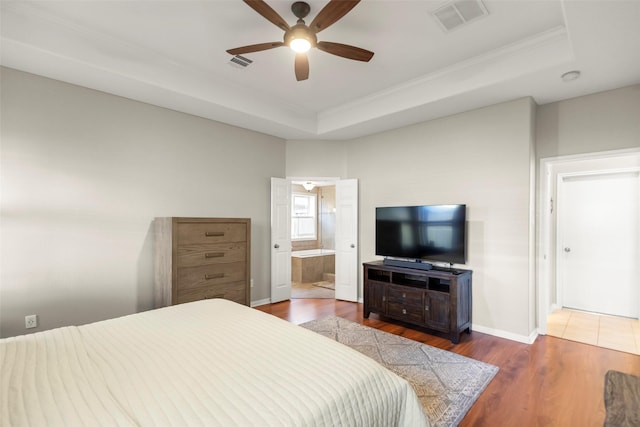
(313,239)
(551,247)
(346,238)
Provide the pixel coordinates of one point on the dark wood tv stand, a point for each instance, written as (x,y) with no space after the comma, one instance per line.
(437,299)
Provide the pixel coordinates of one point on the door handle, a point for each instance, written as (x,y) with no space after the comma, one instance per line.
(567,250)
(276,246)
(353,246)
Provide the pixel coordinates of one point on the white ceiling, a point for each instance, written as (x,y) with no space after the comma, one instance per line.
(171,53)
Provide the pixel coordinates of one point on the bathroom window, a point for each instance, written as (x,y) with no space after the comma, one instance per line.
(303,216)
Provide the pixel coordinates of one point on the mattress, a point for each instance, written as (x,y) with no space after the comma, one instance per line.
(206,363)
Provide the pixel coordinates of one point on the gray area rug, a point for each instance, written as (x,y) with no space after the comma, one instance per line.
(621,399)
(446,383)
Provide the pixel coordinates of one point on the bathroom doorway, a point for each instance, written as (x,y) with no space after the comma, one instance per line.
(313,227)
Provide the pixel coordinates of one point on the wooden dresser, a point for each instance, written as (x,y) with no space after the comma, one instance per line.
(200,258)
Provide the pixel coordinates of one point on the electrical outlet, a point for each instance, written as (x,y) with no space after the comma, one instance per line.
(31,321)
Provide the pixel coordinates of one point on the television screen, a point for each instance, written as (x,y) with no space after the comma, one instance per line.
(429,233)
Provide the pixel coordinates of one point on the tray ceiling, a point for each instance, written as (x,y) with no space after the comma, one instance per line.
(171,53)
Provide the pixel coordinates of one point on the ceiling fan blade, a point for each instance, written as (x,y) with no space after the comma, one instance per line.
(346,51)
(302,66)
(254,48)
(333,11)
(268,13)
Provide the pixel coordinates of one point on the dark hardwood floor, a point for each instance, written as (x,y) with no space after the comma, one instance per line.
(552,382)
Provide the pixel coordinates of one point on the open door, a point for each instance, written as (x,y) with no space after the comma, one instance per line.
(280,240)
(347,239)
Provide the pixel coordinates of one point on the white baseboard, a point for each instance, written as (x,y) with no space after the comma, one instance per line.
(507,335)
(261,302)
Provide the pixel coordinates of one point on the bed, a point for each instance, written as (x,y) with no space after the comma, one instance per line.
(206,363)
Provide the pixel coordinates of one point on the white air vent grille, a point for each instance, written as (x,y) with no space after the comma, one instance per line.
(454,14)
(240,61)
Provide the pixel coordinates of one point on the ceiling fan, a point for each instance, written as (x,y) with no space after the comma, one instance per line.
(301,37)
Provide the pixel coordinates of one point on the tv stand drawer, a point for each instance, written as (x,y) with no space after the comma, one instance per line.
(410,314)
(405,296)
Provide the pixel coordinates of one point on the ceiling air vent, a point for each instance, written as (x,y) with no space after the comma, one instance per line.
(240,61)
(454,14)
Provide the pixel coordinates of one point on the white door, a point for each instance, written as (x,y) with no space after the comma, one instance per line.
(347,240)
(280,239)
(598,239)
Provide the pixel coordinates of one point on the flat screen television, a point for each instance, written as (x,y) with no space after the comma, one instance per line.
(435,233)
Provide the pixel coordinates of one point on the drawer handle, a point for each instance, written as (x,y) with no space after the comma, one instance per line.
(404,311)
(213,276)
(214,233)
(404,295)
(214,254)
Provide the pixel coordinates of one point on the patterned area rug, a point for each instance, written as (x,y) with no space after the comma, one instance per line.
(446,383)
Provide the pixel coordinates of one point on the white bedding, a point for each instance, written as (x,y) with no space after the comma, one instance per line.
(207,363)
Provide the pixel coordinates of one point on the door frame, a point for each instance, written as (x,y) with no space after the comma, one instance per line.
(549,169)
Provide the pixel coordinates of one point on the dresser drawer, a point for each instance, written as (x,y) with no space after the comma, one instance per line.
(231,291)
(210,232)
(208,275)
(205,254)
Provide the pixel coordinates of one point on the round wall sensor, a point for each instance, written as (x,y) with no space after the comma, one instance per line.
(570,76)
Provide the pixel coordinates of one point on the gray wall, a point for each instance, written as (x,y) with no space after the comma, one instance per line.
(481,159)
(84,173)
(603,121)
(316,159)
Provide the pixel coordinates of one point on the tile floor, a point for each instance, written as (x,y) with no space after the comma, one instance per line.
(308,290)
(617,333)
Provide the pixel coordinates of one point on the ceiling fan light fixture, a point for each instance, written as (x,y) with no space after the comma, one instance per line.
(300,45)
(299,38)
